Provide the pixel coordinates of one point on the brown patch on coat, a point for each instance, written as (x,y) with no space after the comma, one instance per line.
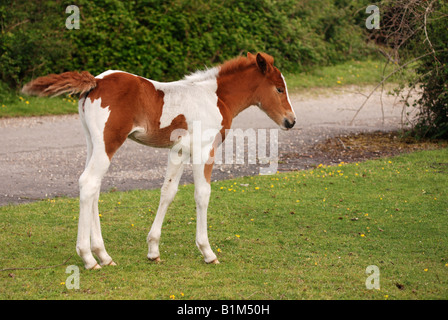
(133,102)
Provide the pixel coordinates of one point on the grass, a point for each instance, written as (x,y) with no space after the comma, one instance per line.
(299,235)
(349,73)
(27,106)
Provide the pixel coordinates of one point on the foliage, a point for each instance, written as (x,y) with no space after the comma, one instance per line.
(414,35)
(166,39)
(433,71)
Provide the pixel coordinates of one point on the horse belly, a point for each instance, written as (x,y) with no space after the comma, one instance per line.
(158,137)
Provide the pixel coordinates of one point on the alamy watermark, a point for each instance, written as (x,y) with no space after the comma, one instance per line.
(200,146)
(373,21)
(72,21)
(373,280)
(72,281)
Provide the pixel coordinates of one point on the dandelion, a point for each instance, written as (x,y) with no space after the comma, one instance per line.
(27,102)
(339,82)
(62,283)
(182,294)
(362,235)
(426,270)
(132,224)
(3,106)
(256,188)
(219,250)
(237,235)
(172,297)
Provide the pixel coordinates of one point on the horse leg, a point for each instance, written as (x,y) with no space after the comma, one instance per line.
(202,190)
(97,243)
(94,119)
(168,191)
(89,187)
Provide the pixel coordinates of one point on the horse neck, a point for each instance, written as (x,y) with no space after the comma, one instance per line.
(237,89)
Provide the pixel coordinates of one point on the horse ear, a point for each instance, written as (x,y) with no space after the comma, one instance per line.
(262,64)
(250,56)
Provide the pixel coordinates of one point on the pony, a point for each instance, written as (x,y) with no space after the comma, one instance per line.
(117,105)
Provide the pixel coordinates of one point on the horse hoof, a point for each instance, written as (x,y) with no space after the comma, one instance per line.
(214,262)
(112,263)
(157,259)
(96,267)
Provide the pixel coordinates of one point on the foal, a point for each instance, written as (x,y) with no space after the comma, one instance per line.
(117,105)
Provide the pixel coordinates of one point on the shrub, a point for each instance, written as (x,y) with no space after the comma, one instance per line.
(164,40)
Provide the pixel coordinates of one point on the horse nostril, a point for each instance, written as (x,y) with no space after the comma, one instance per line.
(288,124)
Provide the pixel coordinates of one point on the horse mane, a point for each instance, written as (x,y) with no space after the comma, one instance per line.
(235,65)
(228,67)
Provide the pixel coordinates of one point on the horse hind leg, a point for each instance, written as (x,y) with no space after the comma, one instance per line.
(98,161)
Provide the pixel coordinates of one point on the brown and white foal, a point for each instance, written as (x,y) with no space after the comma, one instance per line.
(117,105)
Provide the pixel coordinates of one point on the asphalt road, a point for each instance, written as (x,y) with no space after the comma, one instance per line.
(43,157)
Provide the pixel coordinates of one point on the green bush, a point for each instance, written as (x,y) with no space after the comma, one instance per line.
(164,40)
(433,71)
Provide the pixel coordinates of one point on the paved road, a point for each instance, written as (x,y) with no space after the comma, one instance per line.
(43,157)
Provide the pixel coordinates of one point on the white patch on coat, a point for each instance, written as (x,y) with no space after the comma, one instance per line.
(287,95)
(194,97)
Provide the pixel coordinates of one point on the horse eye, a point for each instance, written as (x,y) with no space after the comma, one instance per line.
(280,90)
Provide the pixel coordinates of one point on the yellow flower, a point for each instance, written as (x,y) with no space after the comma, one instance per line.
(256,188)
(339,81)
(132,224)
(219,250)
(27,102)
(172,297)
(426,270)
(182,294)
(62,283)
(363,235)
(237,235)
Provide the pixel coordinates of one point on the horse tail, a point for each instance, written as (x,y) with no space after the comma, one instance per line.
(56,84)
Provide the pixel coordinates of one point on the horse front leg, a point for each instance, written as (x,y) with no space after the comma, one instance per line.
(201,174)
(168,191)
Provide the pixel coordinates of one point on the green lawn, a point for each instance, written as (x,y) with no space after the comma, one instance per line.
(299,235)
(359,73)
(26,106)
